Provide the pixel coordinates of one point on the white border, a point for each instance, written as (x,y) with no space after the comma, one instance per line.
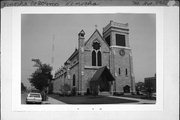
(16,58)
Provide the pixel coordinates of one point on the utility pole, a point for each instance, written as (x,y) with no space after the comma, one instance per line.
(52,63)
(52,56)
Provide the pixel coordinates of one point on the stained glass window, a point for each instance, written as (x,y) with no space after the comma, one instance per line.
(99,58)
(93,58)
(96,46)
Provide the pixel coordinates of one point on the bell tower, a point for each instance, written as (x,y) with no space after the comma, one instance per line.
(116,36)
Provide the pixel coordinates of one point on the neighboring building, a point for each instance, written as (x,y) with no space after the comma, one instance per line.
(140,86)
(106,58)
(150,83)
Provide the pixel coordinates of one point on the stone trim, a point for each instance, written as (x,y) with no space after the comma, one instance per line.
(73,65)
(92,67)
(116,25)
(122,47)
(87,50)
(106,52)
(114,30)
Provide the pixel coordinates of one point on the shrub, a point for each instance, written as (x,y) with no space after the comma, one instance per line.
(73,92)
(66,90)
(118,93)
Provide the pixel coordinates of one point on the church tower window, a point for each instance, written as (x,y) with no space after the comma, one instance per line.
(120,40)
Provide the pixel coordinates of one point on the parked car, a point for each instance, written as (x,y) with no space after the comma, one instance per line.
(154,95)
(142,93)
(34,98)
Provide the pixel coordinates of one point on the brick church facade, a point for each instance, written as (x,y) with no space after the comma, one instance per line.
(94,57)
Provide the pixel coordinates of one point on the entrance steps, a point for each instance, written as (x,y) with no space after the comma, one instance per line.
(105,93)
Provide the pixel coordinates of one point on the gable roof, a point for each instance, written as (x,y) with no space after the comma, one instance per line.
(102,71)
(99,35)
(76,52)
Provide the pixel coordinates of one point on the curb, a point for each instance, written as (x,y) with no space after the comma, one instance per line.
(45,102)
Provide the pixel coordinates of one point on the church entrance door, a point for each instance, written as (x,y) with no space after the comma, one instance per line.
(104,85)
(126,89)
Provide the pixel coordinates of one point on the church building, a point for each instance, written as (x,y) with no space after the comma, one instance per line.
(103,61)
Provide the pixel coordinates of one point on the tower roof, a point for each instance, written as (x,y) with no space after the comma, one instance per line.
(117,25)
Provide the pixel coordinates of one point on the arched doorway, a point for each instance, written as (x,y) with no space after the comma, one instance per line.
(126,89)
(104,85)
(101,81)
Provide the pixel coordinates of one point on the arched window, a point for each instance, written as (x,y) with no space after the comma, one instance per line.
(119,71)
(74,80)
(99,58)
(93,58)
(96,54)
(126,72)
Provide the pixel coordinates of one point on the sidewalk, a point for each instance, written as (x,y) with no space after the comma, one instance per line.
(141,101)
(52,101)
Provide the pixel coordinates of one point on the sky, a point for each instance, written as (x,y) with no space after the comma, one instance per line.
(39,30)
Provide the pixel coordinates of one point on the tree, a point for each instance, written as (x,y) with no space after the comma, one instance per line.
(65,89)
(41,78)
(23,88)
(50,88)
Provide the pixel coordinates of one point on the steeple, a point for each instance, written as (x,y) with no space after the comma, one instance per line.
(116,34)
(81,34)
(81,40)
(81,60)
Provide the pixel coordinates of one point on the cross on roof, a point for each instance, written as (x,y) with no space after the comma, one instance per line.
(96,26)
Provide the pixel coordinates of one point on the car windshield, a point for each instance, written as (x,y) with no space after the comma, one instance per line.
(34,95)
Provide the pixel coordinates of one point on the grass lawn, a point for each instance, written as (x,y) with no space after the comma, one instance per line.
(90,99)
